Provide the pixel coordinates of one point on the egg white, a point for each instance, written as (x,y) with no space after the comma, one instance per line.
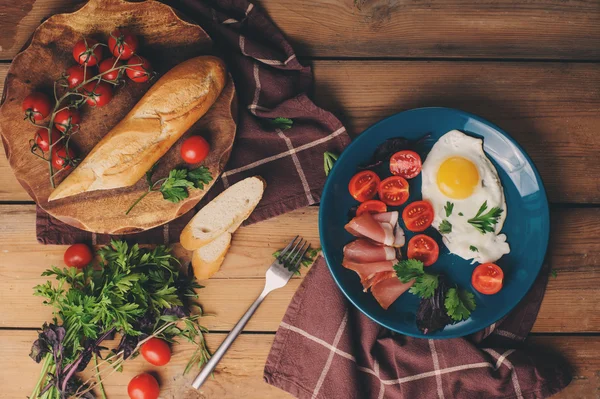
(464,236)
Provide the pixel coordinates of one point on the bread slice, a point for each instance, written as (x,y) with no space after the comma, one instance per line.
(207,259)
(227,211)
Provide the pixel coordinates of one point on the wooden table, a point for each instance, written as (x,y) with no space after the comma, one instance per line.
(529,66)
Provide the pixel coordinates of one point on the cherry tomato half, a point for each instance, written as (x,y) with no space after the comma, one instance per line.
(418,215)
(77,74)
(406,164)
(143,386)
(90,54)
(195,149)
(487,278)
(156,352)
(139,69)
(423,248)
(78,255)
(41,138)
(36,106)
(67,119)
(371,206)
(107,65)
(394,190)
(122,43)
(98,94)
(363,185)
(61,159)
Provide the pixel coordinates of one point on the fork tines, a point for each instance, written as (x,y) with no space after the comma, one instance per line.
(291,256)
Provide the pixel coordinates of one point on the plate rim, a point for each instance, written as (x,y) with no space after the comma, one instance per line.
(357,140)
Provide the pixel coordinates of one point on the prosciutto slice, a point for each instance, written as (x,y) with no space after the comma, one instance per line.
(387,290)
(365,226)
(366,251)
(386,217)
(368,272)
(399,238)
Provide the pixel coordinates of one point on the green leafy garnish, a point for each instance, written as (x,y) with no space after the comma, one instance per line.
(411,269)
(553,273)
(473,248)
(448,208)
(459,304)
(329,159)
(174,188)
(460,214)
(445,227)
(307,260)
(486,223)
(280,123)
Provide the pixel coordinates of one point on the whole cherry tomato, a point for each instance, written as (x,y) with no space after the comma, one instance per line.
(41,138)
(67,119)
(36,106)
(78,255)
(194,149)
(61,158)
(107,65)
(139,69)
(87,52)
(122,44)
(77,74)
(156,352)
(98,93)
(143,386)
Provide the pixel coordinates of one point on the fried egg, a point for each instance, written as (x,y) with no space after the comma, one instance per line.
(460,181)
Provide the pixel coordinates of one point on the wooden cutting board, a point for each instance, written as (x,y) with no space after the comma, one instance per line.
(166,40)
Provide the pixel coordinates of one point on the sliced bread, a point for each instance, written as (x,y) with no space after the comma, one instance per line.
(207,259)
(228,210)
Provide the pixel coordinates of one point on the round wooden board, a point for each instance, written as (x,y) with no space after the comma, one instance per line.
(166,40)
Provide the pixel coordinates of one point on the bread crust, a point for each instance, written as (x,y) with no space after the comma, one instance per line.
(171,106)
(203,270)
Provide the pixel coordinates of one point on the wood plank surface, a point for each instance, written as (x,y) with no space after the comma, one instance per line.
(551,109)
(227,295)
(239,375)
(551,29)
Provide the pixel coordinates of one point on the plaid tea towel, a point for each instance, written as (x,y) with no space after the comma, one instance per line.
(270,83)
(326,348)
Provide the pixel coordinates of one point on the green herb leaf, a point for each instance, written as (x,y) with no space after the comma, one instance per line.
(329,159)
(280,123)
(448,208)
(473,248)
(445,227)
(553,273)
(425,285)
(486,223)
(408,269)
(200,176)
(412,269)
(460,214)
(459,304)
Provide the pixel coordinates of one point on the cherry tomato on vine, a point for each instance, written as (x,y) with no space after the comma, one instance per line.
(41,138)
(78,255)
(36,106)
(194,149)
(143,386)
(139,69)
(77,74)
(67,119)
(98,94)
(61,158)
(122,43)
(156,352)
(107,65)
(87,52)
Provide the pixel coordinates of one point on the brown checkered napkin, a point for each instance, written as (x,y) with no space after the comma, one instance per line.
(270,83)
(326,348)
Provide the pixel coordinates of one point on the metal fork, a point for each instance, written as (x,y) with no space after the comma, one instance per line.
(277,276)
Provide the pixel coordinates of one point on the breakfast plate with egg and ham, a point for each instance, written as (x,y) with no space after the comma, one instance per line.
(434,223)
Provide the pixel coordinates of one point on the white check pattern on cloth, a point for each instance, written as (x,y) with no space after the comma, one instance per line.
(501,359)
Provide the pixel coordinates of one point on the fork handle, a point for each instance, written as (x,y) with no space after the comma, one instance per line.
(216,357)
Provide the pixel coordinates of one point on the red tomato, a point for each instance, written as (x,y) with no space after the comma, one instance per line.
(363,185)
(41,138)
(423,248)
(143,386)
(487,278)
(406,164)
(371,206)
(78,255)
(36,106)
(139,69)
(122,43)
(90,54)
(107,65)
(60,158)
(394,190)
(67,119)
(98,94)
(418,215)
(156,352)
(77,74)
(194,149)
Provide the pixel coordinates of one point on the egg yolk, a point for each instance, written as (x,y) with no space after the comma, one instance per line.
(457,177)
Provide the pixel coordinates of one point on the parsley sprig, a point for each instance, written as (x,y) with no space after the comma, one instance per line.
(485,222)
(329,159)
(459,304)
(445,227)
(448,208)
(280,123)
(174,188)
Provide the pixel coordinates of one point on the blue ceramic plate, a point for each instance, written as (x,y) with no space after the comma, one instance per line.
(527,223)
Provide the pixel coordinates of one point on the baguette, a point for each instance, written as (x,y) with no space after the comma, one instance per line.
(223,214)
(175,102)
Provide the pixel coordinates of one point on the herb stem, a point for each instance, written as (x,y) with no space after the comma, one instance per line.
(43,375)
(137,201)
(100,384)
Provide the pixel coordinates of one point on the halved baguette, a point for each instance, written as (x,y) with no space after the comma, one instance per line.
(228,210)
(207,259)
